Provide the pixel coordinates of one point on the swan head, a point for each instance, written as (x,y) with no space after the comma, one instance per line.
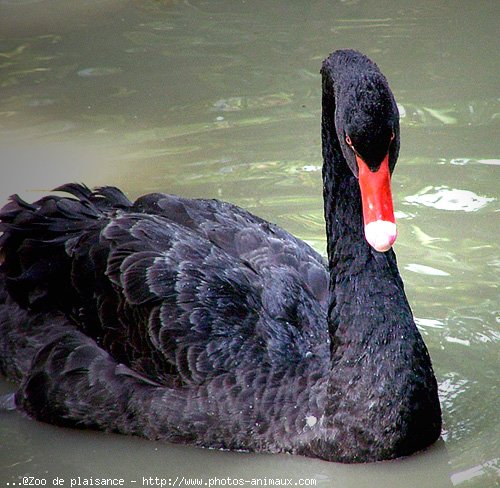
(367,128)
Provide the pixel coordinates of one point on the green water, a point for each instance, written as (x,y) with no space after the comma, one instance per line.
(222,99)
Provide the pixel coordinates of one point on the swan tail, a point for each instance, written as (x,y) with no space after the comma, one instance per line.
(42,241)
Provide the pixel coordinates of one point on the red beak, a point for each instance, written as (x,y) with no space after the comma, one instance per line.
(378,210)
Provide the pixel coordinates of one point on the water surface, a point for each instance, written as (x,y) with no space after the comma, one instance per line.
(222,99)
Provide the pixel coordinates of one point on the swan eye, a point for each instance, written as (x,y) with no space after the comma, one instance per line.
(348,140)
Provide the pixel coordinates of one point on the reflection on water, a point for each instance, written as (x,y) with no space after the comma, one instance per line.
(222,99)
(444,198)
(467,113)
(425,270)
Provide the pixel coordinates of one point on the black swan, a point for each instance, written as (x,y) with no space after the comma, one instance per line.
(195,321)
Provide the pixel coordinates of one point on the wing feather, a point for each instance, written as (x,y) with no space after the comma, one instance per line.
(180,291)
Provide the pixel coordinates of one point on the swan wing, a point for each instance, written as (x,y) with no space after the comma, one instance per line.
(178,290)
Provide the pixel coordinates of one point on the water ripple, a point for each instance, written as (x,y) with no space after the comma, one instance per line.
(444,198)
(425,270)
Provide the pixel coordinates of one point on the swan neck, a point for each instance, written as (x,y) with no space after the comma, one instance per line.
(341,192)
(352,261)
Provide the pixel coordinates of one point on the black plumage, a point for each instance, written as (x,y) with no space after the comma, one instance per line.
(195,321)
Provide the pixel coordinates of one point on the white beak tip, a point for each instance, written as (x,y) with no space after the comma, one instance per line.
(381,234)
